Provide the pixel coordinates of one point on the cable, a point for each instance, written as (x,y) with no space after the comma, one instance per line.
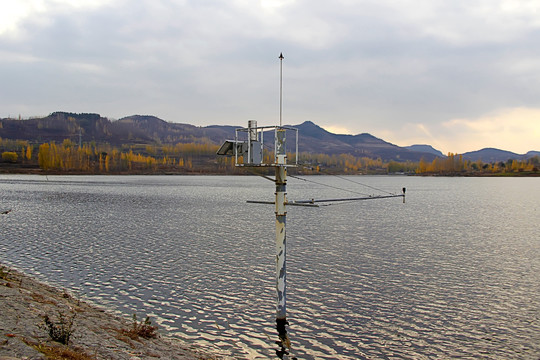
(359,183)
(330,186)
(355,182)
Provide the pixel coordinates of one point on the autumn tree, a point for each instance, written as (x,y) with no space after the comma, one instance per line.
(28,154)
(10,156)
(44,157)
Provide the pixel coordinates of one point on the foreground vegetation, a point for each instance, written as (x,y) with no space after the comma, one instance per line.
(185,158)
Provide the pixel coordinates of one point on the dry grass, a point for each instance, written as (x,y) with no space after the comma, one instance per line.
(59,352)
(143,329)
(41,299)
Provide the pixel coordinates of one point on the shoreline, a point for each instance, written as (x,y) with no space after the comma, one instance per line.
(96,333)
(203,173)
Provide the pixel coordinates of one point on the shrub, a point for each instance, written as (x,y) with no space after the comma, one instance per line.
(4,273)
(9,156)
(143,329)
(61,330)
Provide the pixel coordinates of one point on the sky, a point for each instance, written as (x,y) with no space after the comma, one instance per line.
(459,75)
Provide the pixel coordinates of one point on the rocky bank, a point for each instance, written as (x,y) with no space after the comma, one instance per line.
(95,333)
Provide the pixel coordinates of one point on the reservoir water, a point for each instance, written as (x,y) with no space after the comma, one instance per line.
(452,273)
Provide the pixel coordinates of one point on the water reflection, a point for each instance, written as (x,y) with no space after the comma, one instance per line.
(283,342)
(450,274)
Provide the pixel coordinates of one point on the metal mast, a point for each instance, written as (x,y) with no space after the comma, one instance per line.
(280,88)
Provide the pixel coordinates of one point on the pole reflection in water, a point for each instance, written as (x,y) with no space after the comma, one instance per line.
(284,342)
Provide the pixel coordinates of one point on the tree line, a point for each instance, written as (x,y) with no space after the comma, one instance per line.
(104,159)
(93,158)
(454,164)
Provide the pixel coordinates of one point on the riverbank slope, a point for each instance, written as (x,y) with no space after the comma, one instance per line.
(96,333)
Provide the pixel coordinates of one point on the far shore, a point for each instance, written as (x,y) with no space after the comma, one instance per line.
(34,170)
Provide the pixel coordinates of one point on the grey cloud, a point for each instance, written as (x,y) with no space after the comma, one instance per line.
(356,63)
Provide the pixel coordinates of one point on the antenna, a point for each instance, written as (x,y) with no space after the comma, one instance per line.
(280,88)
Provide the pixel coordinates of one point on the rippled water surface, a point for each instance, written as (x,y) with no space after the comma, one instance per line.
(453,273)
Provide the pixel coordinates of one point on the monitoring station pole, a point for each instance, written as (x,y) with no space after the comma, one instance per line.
(281,216)
(247,149)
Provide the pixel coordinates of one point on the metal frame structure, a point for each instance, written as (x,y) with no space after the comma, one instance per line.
(244,146)
(260,131)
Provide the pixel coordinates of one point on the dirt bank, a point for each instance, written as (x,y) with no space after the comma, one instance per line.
(95,333)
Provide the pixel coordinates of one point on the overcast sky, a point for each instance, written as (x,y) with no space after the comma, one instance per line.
(460,75)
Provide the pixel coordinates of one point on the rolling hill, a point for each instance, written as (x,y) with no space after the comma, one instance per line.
(147,129)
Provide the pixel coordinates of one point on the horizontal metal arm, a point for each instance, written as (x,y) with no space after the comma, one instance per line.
(313,201)
(287,203)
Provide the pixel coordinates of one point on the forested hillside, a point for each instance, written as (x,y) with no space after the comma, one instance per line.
(90,144)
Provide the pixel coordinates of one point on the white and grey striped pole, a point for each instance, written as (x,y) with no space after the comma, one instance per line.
(281,219)
(281,238)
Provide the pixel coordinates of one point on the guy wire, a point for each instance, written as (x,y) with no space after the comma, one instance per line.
(359,183)
(330,186)
(355,182)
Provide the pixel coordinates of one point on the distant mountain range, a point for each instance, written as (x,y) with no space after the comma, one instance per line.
(315,139)
(139,129)
(488,155)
